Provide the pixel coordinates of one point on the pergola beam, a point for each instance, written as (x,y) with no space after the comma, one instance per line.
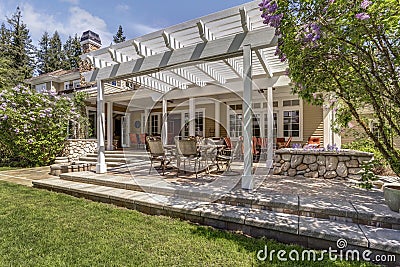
(173,44)
(264,63)
(97,62)
(223,48)
(206,35)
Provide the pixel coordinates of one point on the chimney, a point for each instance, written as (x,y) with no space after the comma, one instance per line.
(90,41)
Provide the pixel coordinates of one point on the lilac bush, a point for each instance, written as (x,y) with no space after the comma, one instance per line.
(344,55)
(33,126)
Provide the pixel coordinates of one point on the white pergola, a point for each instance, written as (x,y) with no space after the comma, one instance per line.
(219,48)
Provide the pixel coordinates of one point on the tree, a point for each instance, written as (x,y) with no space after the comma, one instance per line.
(33,126)
(346,56)
(5,41)
(21,51)
(119,37)
(72,52)
(43,54)
(55,53)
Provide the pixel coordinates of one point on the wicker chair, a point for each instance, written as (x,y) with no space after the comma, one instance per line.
(186,150)
(157,153)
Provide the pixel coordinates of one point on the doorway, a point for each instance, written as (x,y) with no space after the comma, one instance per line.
(174,123)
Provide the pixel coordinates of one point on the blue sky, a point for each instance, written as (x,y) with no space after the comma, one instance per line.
(137,17)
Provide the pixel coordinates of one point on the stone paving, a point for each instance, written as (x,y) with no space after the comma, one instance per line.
(25,176)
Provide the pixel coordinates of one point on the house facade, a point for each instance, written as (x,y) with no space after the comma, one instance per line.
(213,76)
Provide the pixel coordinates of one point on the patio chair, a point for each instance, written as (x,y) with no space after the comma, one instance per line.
(281,143)
(228,146)
(186,150)
(227,159)
(209,154)
(314,142)
(157,153)
(134,139)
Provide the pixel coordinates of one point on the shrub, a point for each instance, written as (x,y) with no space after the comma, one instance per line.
(33,126)
(381,166)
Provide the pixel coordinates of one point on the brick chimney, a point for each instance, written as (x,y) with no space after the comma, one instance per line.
(90,41)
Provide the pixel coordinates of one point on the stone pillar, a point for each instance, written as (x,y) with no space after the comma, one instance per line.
(101,166)
(247,178)
(192,115)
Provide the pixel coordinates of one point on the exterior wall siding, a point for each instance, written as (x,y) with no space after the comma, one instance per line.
(313,122)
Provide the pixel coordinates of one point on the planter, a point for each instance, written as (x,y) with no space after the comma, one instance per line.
(392,197)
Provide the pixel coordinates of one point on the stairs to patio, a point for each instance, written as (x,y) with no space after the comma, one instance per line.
(313,223)
(116,158)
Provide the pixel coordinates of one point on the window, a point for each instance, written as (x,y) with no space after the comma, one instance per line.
(291,103)
(274,104)
(198,124)
(235,125)
(40,88)
(76,84)
(92,124)
(154,122)
(275,125)
(236,107)
(256,125)
(291,123)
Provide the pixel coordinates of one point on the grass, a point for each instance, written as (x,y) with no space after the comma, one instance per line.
(40,228)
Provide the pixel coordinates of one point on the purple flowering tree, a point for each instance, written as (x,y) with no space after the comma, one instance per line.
(345,55)
(33,126)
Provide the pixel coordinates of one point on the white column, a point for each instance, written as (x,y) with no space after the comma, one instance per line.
(110,126)
(337,139)
(101,166)
(146,120)
(270,128)
(192,115)
(164,129)
(247,178)
(127,140)
(328,135)
(217,118)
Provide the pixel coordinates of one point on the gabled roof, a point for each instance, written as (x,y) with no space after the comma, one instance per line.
(55,76)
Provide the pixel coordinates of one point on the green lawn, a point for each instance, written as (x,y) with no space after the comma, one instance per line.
(40,228)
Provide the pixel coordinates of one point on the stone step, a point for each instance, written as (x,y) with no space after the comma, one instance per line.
(121,156)
(109,164)
(307,231)
(373,214)
(108,159)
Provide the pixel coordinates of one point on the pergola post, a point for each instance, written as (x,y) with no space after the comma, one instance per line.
(192,116)
(101,166)
(217,118)
(270,128)
(164,133)
(110,126)
(247,178)
(146,120)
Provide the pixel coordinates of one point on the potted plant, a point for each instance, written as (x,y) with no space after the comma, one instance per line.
(391,193)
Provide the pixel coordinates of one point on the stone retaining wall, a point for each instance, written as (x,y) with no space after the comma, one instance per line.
(320,164)
(76,148)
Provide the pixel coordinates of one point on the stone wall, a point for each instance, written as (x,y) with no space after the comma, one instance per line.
(76,148)
(320,164)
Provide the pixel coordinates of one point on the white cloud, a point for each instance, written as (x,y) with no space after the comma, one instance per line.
(122,7)
(78,20)
(81,20)
(142,29)
(74,2)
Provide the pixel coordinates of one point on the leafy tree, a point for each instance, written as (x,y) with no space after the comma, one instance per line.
(43,54)
(119,37)
(344,55)
(55,53)
(21,51)
(72,52)
(5,41)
